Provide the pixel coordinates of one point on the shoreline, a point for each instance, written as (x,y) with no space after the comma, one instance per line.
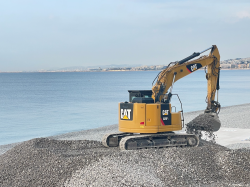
(235,116)
(104,71)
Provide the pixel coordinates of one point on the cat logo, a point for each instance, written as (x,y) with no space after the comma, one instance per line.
(165,112)
(125,113)
(194,67)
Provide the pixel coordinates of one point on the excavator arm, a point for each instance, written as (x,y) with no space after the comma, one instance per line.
(178,70)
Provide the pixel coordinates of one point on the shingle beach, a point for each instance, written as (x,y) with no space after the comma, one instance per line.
(79,159)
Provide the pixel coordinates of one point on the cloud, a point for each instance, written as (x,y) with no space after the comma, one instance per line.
(243,14)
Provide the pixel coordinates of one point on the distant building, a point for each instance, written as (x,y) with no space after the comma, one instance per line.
(225,66)
(127,69)
(233,66)
(241,66)
(95,69)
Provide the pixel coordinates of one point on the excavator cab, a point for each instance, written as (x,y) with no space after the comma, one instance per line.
(140,96)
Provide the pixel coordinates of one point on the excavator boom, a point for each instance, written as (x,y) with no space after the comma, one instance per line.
(178,70)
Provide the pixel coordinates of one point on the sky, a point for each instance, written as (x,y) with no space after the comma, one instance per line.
(50,34)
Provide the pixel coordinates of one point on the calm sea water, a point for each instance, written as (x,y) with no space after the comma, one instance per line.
(43,104)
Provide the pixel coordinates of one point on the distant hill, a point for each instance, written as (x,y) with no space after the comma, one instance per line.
(237,63)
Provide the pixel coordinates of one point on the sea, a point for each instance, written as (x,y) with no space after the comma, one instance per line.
(44,104)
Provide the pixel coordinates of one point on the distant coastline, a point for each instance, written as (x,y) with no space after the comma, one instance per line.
(230,64)
(72,71)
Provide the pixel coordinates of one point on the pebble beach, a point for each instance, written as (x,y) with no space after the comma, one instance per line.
(79,159)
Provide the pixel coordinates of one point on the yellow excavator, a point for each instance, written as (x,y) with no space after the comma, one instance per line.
(148,121)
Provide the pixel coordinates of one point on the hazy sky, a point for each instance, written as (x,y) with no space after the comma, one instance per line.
(49,34)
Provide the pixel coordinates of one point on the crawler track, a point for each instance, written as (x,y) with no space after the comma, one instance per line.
(112,140)
(129,141)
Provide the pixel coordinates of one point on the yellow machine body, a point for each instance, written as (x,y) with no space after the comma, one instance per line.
(146,115)
(148,118)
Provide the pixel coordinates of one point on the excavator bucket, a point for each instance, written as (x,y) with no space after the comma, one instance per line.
(204,122)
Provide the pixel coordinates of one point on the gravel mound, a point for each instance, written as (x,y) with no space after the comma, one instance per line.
(239,146)
(45,162)
(4,148)
(79,159)
(236,116)
(48,162)
(91,134)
